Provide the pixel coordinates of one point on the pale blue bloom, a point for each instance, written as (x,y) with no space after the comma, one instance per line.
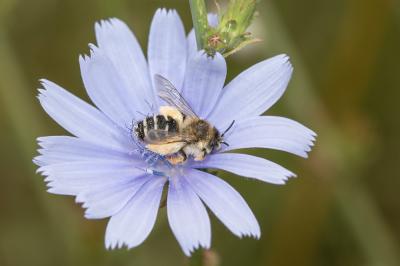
(103,167)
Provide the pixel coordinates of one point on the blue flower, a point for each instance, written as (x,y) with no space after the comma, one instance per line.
(111,174)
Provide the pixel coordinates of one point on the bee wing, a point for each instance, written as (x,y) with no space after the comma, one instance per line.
(160,136)
(171,95)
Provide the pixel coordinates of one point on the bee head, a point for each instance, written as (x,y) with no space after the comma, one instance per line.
(215,141)
(219,138)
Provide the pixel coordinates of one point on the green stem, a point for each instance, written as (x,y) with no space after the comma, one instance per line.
(200,21)
(205,257)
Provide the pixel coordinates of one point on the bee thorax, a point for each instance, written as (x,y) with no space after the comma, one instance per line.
(199,128)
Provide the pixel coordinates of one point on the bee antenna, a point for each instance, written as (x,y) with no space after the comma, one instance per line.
(226,130)
(225,143)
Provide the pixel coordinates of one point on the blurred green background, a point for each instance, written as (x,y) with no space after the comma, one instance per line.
(344,208)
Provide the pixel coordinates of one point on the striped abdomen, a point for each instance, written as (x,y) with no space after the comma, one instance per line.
(158,122)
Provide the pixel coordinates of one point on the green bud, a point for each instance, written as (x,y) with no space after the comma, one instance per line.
(231,33)
(238,16)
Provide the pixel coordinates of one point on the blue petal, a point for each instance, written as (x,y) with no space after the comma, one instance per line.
(132,225)
(213,20)
(246,165)
(119,44)
(71,178)
(187,216)
(167,47)
(204,80)
(253,91)
(270,132)
(106,88)
(60,149)
(80,118)
(225,202)
(105,200)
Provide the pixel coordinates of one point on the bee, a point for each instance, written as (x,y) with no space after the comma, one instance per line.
(176,132)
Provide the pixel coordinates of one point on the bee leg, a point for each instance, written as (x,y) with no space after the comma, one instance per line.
(200,156)
(166,149)
(177,158)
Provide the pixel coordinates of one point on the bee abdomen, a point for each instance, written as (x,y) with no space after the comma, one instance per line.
(161,122)
(172,125)
(149,123)
(139,129)
(143,127)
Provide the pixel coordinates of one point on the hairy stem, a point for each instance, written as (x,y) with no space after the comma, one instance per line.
(200,21)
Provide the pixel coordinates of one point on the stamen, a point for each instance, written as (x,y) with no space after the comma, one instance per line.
(151,171)
(157,164)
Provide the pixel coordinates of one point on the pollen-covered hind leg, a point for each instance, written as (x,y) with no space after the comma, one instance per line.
(195,152)
(166,149)
(200,156)
(177,158)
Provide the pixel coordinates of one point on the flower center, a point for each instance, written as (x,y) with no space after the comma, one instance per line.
(156,164)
